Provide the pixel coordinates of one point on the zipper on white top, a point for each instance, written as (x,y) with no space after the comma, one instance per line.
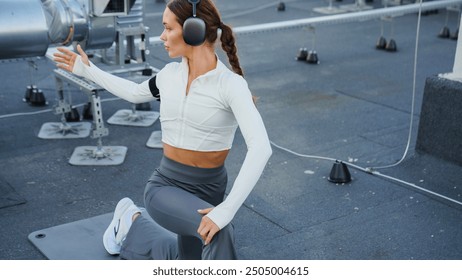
(182,112)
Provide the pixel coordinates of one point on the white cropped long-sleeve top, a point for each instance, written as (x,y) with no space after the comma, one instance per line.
(203,119)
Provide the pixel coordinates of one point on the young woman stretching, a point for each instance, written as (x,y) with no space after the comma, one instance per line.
(202,104)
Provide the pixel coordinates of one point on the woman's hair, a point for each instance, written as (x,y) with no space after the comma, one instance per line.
(207,11)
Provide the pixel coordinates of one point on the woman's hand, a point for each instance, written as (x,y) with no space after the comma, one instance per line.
(207,228)
(66,58)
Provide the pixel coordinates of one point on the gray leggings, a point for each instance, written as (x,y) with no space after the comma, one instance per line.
(172,197)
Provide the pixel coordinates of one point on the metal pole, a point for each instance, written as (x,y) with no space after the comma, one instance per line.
(457,70)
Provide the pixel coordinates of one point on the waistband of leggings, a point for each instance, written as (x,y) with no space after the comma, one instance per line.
(182,172)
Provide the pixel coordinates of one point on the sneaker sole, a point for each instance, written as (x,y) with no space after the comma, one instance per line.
(121,207)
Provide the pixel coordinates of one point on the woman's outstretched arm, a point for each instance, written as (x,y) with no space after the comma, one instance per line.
(80,65)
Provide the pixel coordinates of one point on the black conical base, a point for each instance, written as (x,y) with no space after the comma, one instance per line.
(391,46)
(87,113)
(381,43)
(281,6)
(339,173)
(455,35)
(302,54)
(143,106)
(28,93)
(312,57)
(444,33)
(146,72)
(73,115)
(37,98)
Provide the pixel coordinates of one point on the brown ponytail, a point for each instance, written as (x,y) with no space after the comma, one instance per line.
(228,43)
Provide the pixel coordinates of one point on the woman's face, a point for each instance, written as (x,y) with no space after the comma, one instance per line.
(173,35)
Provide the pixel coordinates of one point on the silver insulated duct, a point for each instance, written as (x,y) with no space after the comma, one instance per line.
(29,27)
(23,29)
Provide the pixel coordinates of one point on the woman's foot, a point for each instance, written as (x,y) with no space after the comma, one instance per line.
(120,225)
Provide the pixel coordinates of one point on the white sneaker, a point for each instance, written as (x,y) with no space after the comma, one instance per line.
(120,225)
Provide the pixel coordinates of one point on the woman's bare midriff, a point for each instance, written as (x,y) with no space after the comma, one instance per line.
(196,158)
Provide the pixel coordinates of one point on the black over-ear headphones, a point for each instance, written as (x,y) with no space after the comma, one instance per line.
(194,27)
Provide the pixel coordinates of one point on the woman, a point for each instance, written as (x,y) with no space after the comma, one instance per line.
(202,104)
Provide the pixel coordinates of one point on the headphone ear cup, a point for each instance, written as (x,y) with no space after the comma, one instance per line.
(194,31)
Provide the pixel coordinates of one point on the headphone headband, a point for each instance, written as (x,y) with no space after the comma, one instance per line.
(194,5)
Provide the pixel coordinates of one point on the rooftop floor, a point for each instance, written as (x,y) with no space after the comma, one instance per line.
(355,106)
